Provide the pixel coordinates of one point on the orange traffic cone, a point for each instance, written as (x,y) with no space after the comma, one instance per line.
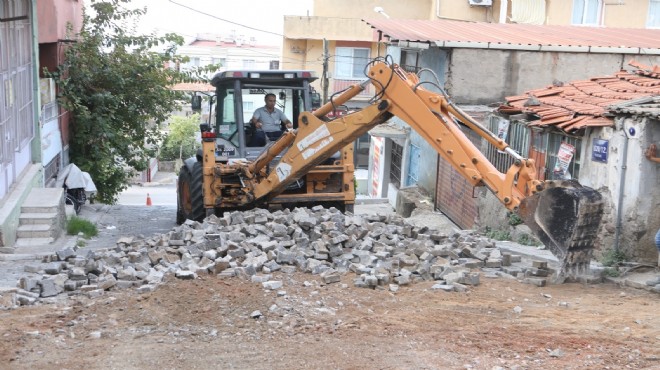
(148,199)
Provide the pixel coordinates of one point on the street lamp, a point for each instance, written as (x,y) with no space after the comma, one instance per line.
(381,11)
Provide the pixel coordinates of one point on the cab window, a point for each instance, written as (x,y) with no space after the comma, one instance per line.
(226,119)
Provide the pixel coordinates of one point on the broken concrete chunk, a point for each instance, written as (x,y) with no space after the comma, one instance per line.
(185,275)
(65,254)
(330,276)
(50,288)
(443,287)
(272,285)
(53,268)
(535,281)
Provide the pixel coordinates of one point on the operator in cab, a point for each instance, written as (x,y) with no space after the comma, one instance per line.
(267,122)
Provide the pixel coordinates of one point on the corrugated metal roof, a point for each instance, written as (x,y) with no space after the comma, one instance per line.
(448,33)
(644,107)
(575,105)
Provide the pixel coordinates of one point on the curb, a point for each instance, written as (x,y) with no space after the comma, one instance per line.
(360,201)
(22,257)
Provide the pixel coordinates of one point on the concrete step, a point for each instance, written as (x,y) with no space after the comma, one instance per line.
(37,218)
(39,209)
(43,200)
(35,231)
(33,242)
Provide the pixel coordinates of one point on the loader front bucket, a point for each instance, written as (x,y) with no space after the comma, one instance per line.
(565,217)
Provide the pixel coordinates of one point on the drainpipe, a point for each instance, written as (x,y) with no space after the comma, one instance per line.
(622,182)
(36,101)
(405,158)
(504,8)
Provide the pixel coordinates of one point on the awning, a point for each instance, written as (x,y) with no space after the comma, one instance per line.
(389,131)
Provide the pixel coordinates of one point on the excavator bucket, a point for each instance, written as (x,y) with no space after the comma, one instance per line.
(565,217)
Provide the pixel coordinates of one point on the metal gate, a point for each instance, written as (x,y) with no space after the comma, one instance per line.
(16,111)
(453,194)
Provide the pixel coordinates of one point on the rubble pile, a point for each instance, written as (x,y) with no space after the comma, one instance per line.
(382,251)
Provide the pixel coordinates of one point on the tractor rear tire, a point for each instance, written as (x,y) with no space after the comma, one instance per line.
(190,200)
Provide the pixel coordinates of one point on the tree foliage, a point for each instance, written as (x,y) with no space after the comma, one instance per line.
(181,142)
(117,89)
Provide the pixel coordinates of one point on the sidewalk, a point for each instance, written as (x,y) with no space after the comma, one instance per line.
(99,215)
(91,212)
(162,178)
(630,277)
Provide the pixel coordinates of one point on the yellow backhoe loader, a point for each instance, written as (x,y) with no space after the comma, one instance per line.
(312,163)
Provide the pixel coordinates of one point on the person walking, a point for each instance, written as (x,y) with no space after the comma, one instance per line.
(268,122)
(650,154)
(657,244)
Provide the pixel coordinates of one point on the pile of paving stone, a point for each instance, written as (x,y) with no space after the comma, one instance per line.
(382,251)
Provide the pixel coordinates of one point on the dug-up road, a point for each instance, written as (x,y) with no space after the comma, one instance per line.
(212,323)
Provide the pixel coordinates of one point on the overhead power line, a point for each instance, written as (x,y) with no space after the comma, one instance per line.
(225,20)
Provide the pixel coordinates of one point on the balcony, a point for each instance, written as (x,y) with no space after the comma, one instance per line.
(330,28)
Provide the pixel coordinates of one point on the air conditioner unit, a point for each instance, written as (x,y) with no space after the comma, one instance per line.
(481,2)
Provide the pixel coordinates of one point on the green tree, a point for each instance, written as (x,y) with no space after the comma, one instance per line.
(115,84)
(181,142)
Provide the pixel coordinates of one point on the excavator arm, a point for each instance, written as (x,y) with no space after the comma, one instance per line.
(564,215)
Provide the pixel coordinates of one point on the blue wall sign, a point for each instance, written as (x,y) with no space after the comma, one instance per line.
(599,150)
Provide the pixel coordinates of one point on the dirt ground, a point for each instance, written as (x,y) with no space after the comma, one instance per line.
(211,323)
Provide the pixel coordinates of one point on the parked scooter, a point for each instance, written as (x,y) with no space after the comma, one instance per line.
(77,184)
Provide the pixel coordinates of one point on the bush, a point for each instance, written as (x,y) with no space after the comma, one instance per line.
(79,225)
(613,257)
(498,234)
(611,272)
(526,239)
(514,219)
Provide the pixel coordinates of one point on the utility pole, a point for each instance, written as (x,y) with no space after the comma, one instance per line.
(324,78)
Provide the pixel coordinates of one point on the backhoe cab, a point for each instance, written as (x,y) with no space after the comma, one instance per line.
(210,184)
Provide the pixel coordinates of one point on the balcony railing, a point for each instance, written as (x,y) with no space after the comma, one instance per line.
(410,69)
(343,84)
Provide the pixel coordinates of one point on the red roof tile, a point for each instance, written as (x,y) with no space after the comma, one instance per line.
(231,45)
(193,86)
(582,103)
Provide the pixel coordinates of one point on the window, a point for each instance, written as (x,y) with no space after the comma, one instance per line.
(410,61)
(248,64)
(221,61)
(515,133)
(554,143)
(587,12)
(413,165)
(248,106)
(395,164)
(361,151)
(350,62)
(653,20)
(225,118)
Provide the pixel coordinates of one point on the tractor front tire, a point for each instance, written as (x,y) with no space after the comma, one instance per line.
(190,200)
